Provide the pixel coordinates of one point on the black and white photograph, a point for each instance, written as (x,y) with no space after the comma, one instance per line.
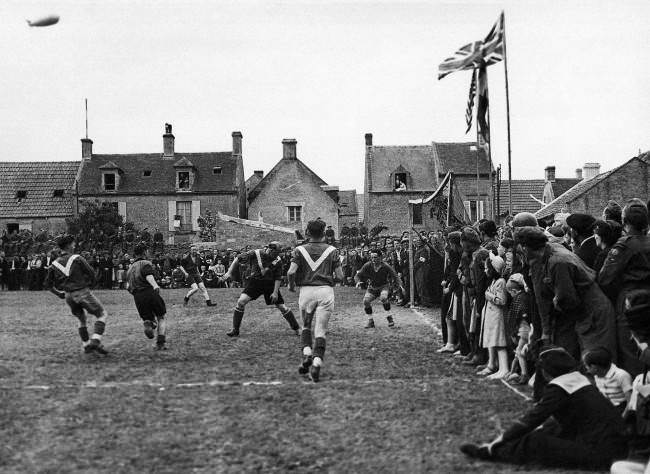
(328,236)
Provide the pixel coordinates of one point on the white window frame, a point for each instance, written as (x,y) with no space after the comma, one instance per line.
(109,173)
(184,209)
(294,207)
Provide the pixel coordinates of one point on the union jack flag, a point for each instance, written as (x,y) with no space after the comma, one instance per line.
(477,53)
(470,103)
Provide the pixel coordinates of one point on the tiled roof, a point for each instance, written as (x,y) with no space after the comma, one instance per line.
(163,174)
(253,181)
(522,189)
(271,175)
(40,180)
(461,158)
(417,160)
(562,185)
(348,203)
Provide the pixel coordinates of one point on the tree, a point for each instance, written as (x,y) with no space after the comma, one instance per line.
(208,227)
(97,218)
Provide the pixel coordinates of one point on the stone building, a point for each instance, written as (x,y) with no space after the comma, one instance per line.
(396,174)
(348,212)
(590,195)
(291,194)
(37,195)
(167,190)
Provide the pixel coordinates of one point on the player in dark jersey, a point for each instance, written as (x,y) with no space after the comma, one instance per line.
(141,283)
(70,277)
(378,275)
(315,266)
(264,279)
(191,265)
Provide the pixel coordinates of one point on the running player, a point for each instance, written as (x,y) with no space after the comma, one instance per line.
(315,266)
(141,283)
(190,266)
(70,277)
(264,279)
(378,276)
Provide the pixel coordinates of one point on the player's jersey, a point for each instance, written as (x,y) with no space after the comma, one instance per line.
(136,276)
(316,264)
(191,265)
(70,273)
(377,278)
(262,266)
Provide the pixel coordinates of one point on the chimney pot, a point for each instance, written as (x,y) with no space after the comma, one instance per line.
(86,149)
(578,173)
(236,143)
(168,142)
(549,174)
(591,170)
(368,139)
(289,149)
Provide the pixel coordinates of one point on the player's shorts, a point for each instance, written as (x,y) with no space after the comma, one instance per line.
(150,304)
(376,292)
(80,300)
(316,298)
(255,288)
(194,278)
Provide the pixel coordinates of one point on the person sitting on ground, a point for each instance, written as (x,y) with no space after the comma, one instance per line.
(588,433)
(614,383)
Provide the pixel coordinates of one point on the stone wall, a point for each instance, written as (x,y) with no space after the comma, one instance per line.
(53,225)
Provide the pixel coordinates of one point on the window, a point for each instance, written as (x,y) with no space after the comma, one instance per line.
(109,181)
(216,170)
(184,211)
(146,173)
(114,205)
(400,182)
(295,213)
(21,194)
(58,193)
(184,180)
(417,214)
(474,210)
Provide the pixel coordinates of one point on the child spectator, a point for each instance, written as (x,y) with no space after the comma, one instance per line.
(493,333)
(518,327)
(505,251)
(613,382)
(121,276)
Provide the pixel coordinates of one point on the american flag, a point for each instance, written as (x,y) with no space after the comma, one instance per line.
(477,53)
(470,103)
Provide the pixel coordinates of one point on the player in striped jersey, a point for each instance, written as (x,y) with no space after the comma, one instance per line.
(378,275)
(265,279)
(70,277)
(314,268)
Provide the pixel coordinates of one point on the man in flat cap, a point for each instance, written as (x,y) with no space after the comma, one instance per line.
(581,230)
(575,314)
(588,432)
(627,268)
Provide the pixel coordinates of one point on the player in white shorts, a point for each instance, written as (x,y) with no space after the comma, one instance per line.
(315,266)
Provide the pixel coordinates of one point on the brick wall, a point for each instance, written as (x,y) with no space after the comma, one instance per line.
(632,180)
(301,189)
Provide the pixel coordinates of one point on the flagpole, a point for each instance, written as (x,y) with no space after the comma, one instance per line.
(505,65)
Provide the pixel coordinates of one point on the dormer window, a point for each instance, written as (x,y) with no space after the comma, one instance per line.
(183,180)
(57,193)
(22,194)
(185,174)
(109,181)
(216,170)
(400,182)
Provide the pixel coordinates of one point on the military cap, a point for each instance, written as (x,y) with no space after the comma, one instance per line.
(531,236)
(524,219)
(556,361)
(581,223)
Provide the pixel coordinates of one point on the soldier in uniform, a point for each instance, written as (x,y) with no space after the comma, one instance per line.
(627,268)
(315,266)
(584,243)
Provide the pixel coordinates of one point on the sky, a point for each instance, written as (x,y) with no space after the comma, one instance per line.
(325,73)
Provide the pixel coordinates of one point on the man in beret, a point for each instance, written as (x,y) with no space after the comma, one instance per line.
(584,244)
(587,433)
(627,268)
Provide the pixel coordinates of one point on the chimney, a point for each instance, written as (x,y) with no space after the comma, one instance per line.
(289,149)
(259,173)
(331,191)
(86,149)
(591,170)
(168,142)
(368,139)
(236,143)
(549,174)
(578,173)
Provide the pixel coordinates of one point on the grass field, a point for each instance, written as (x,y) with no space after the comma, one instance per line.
(386,401)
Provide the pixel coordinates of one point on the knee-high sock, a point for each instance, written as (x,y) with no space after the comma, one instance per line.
(305,339)
(319,350)
(368,310)
(99,328)
(237,316)
(387,305)
(291,319)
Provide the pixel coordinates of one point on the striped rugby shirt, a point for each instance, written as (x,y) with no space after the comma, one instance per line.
(316,264)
